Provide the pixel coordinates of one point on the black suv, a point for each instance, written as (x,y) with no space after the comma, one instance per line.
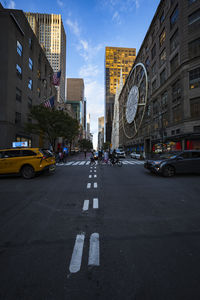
(187,161)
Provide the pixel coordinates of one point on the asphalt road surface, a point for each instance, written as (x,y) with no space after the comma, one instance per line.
(100,233)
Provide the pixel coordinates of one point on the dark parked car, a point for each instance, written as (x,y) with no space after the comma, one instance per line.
(187,161)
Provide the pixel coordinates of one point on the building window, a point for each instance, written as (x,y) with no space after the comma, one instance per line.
(162,18)
(17,118)
(38,74)
(196,129)
(176,91)
(38,91)
(176,114)
(30,84)
(153,52)
(194,48)
(18,95)
(163,57)
(174,41)
(19,71)
(30,64)
(155,107)
(19,48)
(153,69)
(194,78)
(164,100)
(174,63)
(174,17)
(29,102)
(153,85)
(195,107)
(147,63)
(162,77)
(162,37)
(30,43)
(194,17)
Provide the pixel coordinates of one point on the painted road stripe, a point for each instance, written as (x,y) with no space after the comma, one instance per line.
(69,163)
(75,263)
(95,185)
(95,176)
(94,250)
(95,203)
(89,185)
(90,176)
(90,171)
(95,171)
(76,163)
(86,205)
(88,162)
(82,163)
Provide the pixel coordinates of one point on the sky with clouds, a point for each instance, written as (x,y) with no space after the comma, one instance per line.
(90,26)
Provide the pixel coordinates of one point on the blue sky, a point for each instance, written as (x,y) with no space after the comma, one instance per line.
(90,26)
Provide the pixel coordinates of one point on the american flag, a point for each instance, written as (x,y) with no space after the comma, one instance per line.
(49,103)
(56,78)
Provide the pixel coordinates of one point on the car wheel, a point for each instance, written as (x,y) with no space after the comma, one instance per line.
(27,172)
(168,171)
(119,163)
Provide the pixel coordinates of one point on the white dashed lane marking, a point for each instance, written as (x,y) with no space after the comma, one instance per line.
(95,185)
(85,205)
(94,259)
(90,176)
(88,185)
(76,259)
(95,203)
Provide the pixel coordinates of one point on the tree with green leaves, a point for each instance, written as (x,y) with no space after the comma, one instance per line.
(106,146)
(52,124)
(85,144)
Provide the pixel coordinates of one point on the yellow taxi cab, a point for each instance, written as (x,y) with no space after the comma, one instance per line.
(26,161)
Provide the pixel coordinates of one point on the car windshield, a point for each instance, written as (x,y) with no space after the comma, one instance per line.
(46,152)
(167,156)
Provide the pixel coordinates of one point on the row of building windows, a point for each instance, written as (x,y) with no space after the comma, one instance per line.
(18,118)
(194,76)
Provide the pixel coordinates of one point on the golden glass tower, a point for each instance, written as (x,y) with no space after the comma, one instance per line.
(50,32)
(116,58)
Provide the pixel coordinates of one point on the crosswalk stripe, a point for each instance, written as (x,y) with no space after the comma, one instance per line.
(76,163)
(69,163)
(86,163)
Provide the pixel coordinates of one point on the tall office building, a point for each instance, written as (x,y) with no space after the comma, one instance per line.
(100,132)
(50,32)
(75,97)
(116,59)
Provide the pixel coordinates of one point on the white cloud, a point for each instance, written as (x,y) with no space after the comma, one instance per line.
(88,71)
(118,8)
(116,18)
(74,27)
(11,5)
(60,3)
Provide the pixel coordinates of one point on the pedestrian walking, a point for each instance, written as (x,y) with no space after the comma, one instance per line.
(60,156)
(85,153)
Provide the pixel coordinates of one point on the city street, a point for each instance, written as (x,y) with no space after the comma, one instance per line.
(100,232)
